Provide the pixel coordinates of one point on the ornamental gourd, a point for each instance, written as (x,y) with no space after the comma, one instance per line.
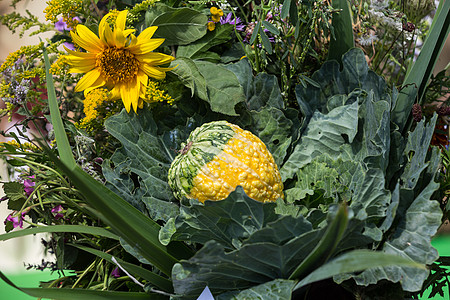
(217,157)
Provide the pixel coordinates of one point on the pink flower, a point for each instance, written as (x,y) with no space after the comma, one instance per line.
(28,185)
(56,210)
(115,273)
(17,221)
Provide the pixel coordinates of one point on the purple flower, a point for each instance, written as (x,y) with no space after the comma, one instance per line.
(69,46)
(28,185)
(115,273)
(61,26)
(228,20)
(17,221)
(56,210)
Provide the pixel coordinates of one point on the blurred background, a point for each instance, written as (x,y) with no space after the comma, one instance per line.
(14,253)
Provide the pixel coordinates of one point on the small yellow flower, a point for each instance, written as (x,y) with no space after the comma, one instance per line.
(211,26)
(117,59)
(155,94)
(94,99)
(216,14)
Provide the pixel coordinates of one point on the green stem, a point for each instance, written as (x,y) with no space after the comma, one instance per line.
(44,167)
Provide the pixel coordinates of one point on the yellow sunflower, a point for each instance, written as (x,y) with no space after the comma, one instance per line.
(117,59)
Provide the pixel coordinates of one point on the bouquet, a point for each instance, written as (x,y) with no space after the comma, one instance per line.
(229,149)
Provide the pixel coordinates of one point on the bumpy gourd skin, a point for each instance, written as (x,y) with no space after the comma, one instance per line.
(219,156)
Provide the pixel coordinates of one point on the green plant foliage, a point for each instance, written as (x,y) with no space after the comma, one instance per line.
(147,155)
(178,26)
(343,39)
(260,90)
(360,165)
(355,261)
(199,49)
(277,289)
(227,222)
(211,83)
(359,177)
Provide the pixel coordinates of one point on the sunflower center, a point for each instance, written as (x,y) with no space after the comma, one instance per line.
(117,65)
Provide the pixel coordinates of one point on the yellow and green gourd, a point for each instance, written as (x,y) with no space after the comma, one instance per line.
(217,157)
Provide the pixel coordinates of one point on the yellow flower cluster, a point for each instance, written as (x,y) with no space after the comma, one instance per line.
(216,14)
(68,9)
(93,100)
(8,110)
(154,94)
(25,51)
(59,67)
(26,146)
(98,106)
(135,12)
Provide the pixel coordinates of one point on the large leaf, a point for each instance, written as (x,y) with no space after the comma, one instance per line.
(228,222)
(261,90)
(411,239)
(354,78)
(146,154)
(178,26)
(269,253)
(278,289)
(272,126)
(416,216)
(223,88)
(356,261)
(212,83)
(189,74)
(324,134)
(218,36)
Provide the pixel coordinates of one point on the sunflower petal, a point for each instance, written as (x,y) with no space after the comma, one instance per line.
(106,34)
(119,39)
(81,55)
(125,97)
(91,78)
(127,32)
(121,20)
(145,47)
(142,78)
(81,69)
(154,58)
(147,33)
(86,39)
(154,72)
(115,93)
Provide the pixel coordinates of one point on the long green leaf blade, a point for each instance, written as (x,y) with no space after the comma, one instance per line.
(60,228)
(418,75)
(64,150)
(134,227)
(343,31)
(355,261)
(326,246)
(81,294)
(158,281)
